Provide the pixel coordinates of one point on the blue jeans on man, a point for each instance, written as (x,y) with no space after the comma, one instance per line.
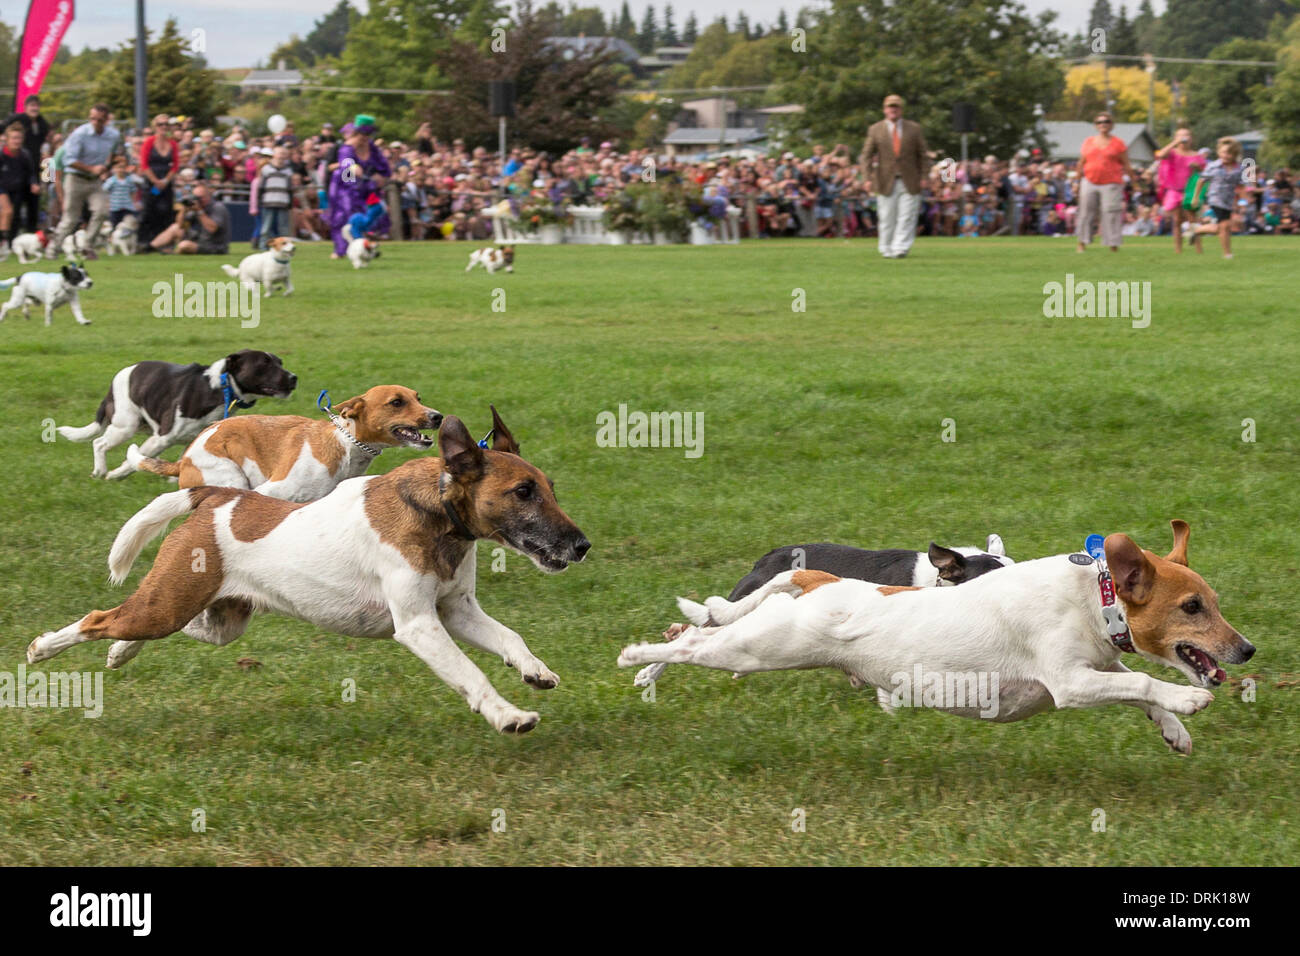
(274,223)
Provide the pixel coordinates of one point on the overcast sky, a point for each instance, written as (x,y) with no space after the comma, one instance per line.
(242,32)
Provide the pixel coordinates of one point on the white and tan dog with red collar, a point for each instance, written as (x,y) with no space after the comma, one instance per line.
(493,258)
(299,458)
(267,269)
(1041,633)
(382,556)
(361,251)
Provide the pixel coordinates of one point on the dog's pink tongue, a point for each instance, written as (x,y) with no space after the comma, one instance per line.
(1219,675)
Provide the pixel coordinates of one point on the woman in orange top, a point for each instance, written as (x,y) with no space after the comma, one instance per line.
(1103,164)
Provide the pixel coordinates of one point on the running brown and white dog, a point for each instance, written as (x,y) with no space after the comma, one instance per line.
(493,258)
(268,269)
(1037,635)
(176,402)
(382,556)
(361,251)
(299,458)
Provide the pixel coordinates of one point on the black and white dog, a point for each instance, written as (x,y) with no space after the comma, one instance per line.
(51,289)
(177,402)
(937,567)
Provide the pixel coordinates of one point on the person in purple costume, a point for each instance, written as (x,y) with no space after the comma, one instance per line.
(362,172)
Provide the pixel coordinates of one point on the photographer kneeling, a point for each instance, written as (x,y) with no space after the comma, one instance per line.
(202,226)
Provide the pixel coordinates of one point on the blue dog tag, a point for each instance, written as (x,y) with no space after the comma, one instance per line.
(1094,544)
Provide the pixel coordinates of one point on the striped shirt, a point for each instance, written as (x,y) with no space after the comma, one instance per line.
(121,192)
(276,190)
(1224,181)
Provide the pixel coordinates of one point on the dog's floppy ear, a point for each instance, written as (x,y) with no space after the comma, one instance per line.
(502,440)
(461,455)
(69,272)
(351,408)
(1182,531)
(1134,574)
(950,564)
(995,546)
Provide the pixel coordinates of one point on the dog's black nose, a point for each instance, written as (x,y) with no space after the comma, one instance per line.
(435,419)
(1249,652)
(293,381)
(580,547)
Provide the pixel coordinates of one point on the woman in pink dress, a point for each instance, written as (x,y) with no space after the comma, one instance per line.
(1177,160)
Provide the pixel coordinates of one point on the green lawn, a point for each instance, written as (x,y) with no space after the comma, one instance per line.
(820,425)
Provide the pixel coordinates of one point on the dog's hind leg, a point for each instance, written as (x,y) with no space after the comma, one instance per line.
(151,447)
(219,624)
(771,637)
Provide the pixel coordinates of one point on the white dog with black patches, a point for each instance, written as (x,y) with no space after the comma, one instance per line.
(1044,628)
(49,289)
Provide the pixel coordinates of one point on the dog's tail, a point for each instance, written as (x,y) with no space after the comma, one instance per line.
(84,433)
(230,271)
(8,283)
(717,611)
(145,525)
(134,456)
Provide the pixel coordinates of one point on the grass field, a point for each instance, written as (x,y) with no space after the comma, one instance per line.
(819,425)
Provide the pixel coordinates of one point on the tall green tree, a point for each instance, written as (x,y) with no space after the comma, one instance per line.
(558,100)
(1145,27)
(177,80)
(626,27)
(649,32)
(1192,28)
(1223,100)
(1123,37)
(668,35)
(691,31)
(326,39)
(932,52)
(1279,105)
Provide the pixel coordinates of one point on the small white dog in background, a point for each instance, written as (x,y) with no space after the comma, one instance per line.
(125,237)
(78,244)
(30,246)
(268,269)
(493,258)
(50,289)
(361,251)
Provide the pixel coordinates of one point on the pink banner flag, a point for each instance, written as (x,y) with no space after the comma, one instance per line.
(47,21)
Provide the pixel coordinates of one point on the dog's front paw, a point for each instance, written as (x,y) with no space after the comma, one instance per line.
(35,652)
(79,322)
(1191,700)
(539,675)
(1175,734)
(648,675)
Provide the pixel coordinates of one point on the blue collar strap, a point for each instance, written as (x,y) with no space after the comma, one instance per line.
(229,399)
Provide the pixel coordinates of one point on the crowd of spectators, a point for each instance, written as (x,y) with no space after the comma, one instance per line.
(446,190)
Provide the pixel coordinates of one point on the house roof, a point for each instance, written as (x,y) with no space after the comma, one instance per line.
(1066,138)
(712,135)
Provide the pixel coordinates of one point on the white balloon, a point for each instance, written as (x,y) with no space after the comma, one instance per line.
(276,124)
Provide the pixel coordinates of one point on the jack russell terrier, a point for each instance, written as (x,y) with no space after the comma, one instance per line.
(938,567)
(50,289)
(361,251)
(177,402)
(382,556)
(267,269)
(299,458)
(1049,631)
(493,258)
(30,246)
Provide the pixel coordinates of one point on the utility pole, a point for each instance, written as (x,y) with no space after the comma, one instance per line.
(141,99)
(1151,93)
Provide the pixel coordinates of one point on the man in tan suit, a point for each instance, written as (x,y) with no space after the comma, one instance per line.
(893,158)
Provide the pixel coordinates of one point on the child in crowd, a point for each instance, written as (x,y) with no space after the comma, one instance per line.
(969,223)
(122,188)
(275,184)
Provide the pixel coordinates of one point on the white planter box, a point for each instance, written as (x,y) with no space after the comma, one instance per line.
(550,235)
(700,236)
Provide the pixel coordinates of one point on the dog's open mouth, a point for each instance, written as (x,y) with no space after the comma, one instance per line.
(1205,666)
(410,436)
(552,564)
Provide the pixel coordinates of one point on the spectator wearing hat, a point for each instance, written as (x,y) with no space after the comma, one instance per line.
(361,173)
(893,159)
